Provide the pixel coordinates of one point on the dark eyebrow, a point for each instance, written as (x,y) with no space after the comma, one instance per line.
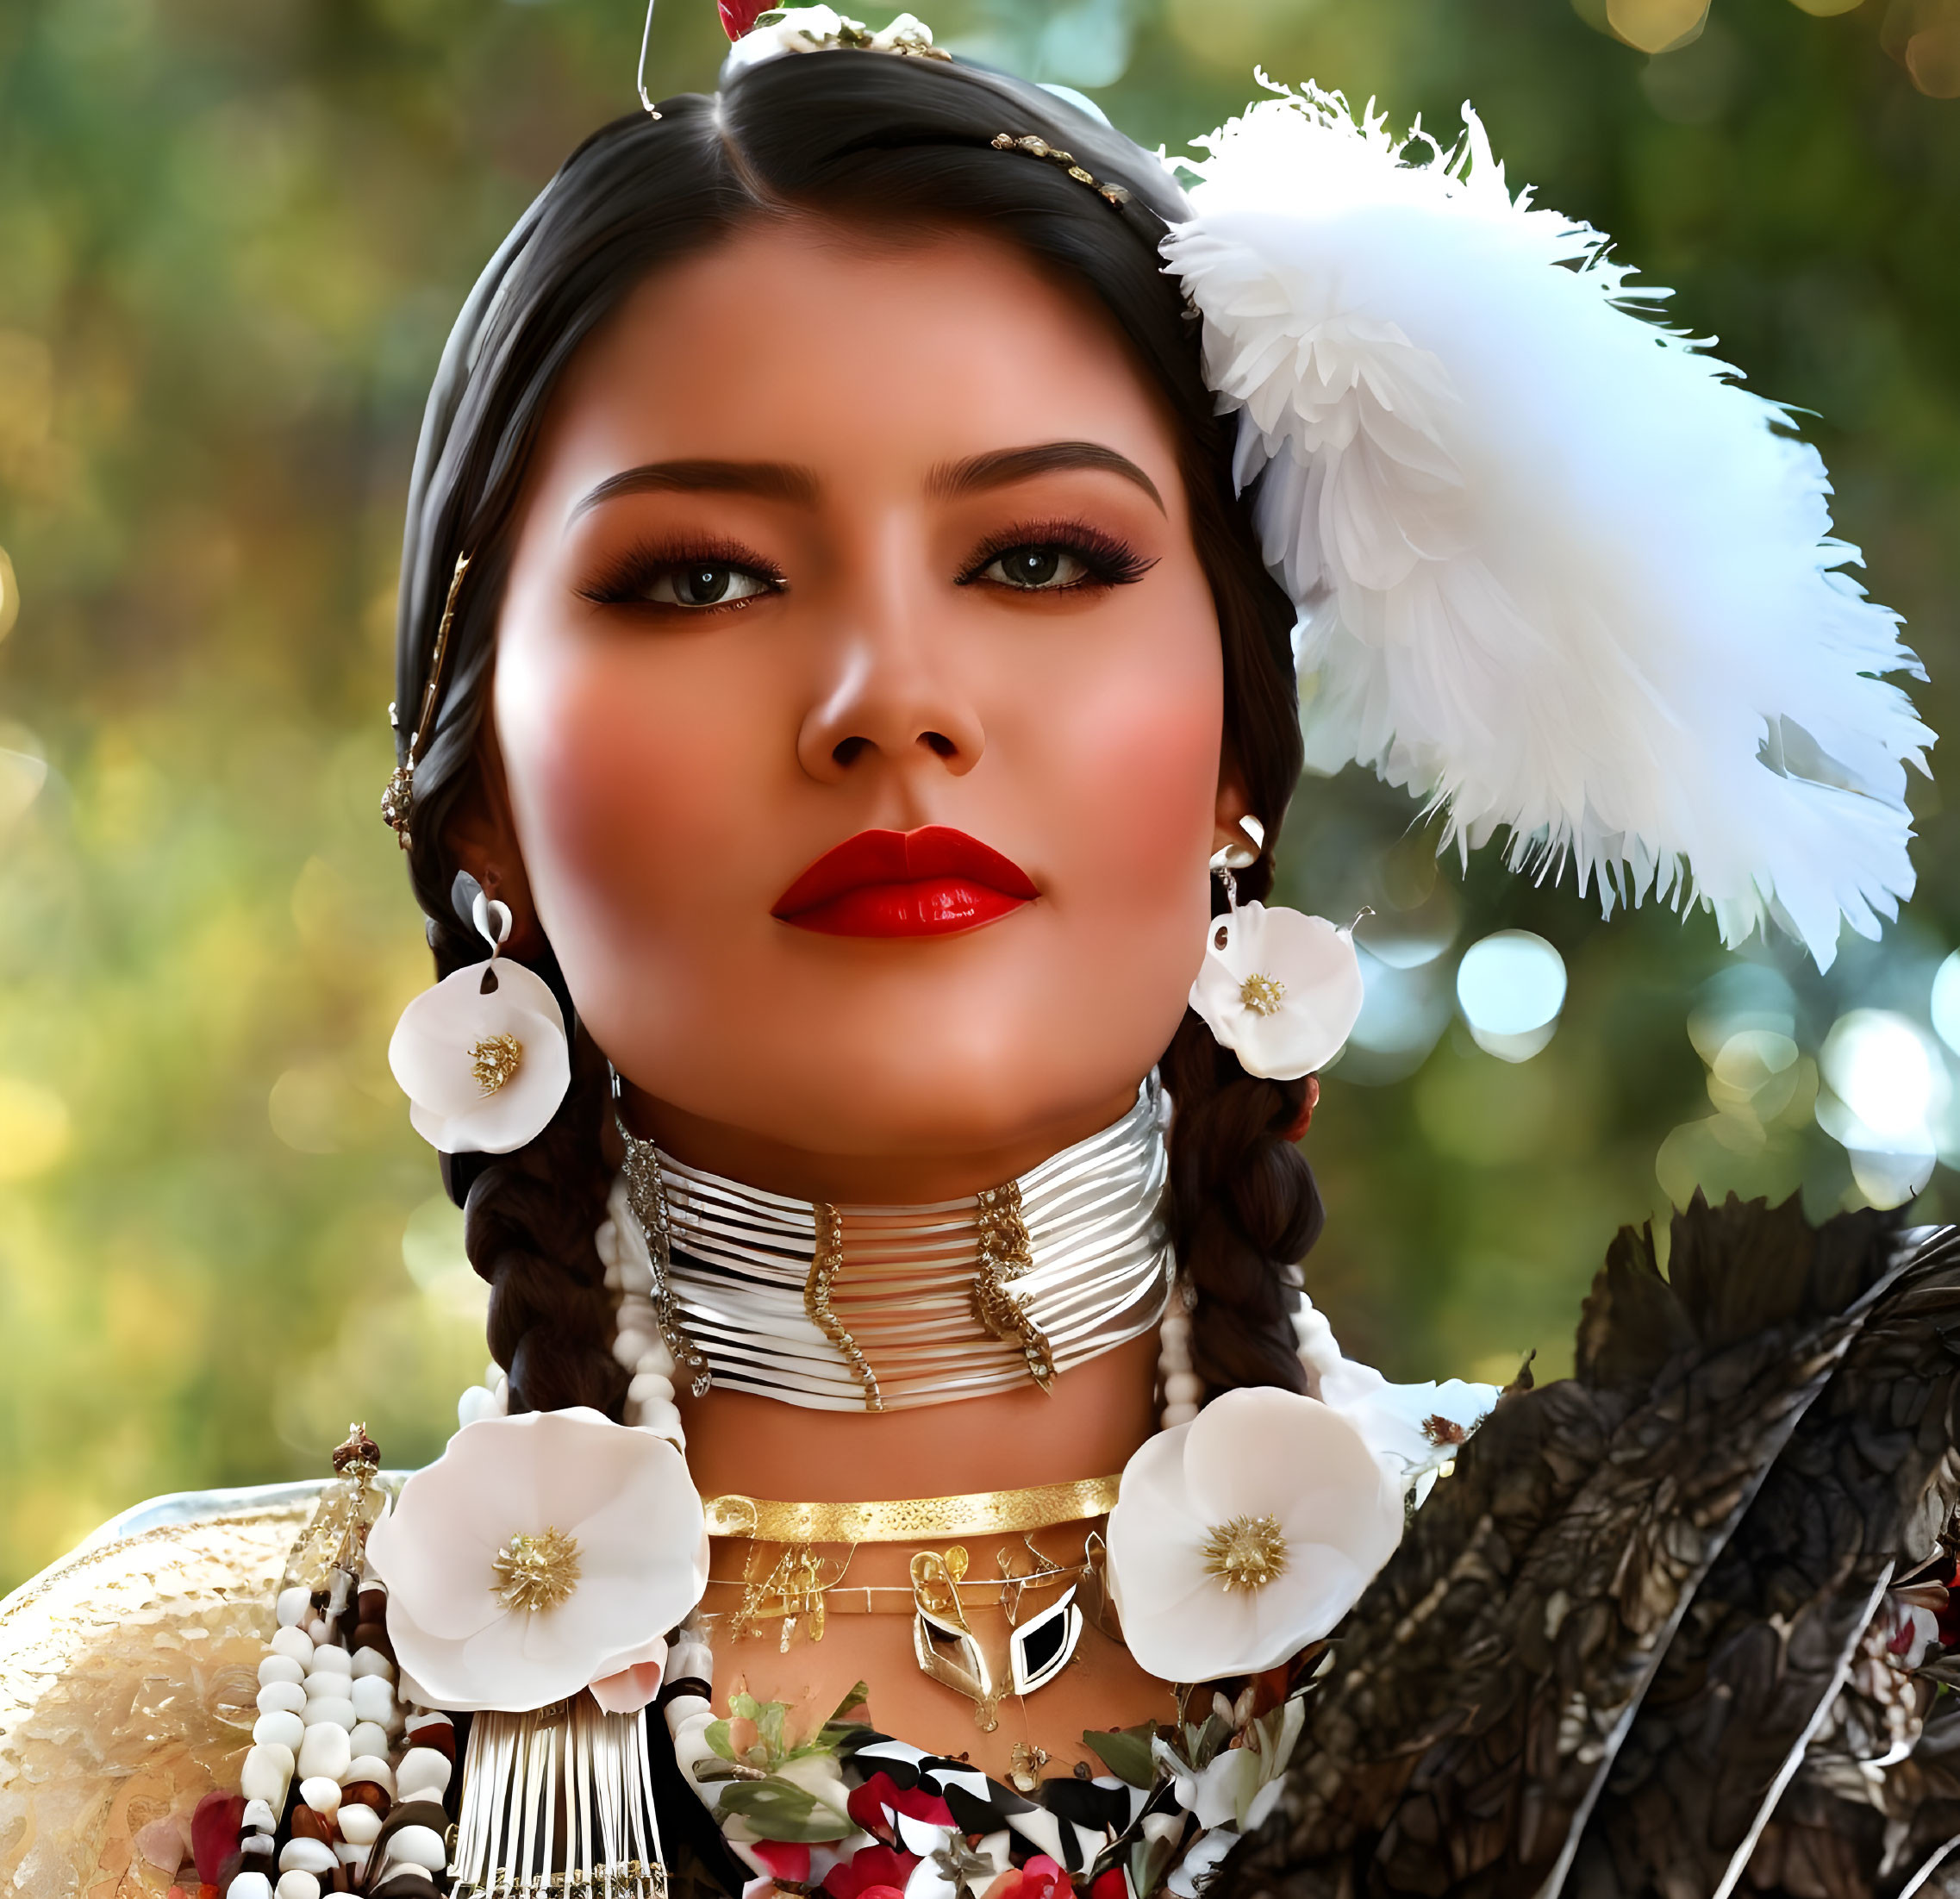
(772,480)
(1009,464)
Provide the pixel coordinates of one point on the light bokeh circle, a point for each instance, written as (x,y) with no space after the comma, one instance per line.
(1511,983)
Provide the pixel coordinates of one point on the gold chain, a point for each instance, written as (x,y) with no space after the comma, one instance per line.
(826,1261)
(1005,1254)
(857,1598)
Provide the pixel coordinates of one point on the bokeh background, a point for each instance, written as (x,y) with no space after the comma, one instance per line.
(232,235)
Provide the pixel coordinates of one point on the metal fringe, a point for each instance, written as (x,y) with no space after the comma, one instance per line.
(648,1193)
(557,1802)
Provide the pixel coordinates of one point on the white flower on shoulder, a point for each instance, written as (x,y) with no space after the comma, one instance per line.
(539,1555)
(1418,1428)
(1280,989)
(1242,1784)
(1200,1863)
(1240,1537)
(482,1059)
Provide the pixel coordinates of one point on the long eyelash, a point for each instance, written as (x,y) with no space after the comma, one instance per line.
(626,578)
(1111,562)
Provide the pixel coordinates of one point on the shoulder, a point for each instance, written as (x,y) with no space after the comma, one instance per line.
(129,1682)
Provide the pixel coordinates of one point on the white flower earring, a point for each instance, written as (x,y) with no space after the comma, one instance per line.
(483,1056)
(1280,989)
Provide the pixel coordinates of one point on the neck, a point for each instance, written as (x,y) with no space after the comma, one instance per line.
(1096,1415)
(899,1178)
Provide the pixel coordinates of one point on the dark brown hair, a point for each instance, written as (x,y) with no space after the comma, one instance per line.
(902,144)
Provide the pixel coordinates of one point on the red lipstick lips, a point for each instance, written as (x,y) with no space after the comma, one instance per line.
(934,882)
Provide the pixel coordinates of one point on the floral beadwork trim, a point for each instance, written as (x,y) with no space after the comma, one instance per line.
(849,1813)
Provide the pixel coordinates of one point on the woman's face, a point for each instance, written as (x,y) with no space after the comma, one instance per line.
(828,535)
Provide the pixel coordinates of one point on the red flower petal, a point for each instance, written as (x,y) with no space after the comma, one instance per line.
(1043,1878)
(215,1827)
(869,1869)
(915,1803)
(1110,1885)
(739,16)
(869,1806)
(785,1859)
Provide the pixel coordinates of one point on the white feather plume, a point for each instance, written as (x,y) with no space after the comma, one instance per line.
(1556,572)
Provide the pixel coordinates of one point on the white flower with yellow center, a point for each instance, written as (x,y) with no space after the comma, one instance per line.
(1280,989)
(483,1056)
(1240,1537)
(541,1555)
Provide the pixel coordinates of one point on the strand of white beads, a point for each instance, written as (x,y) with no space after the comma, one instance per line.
(1182,1390)
(331,1718)
(1320,1350)
(1182,1387)
(423,1773)
(490,1399)
(638,1343)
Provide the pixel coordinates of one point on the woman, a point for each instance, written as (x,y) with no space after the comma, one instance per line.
(852,659)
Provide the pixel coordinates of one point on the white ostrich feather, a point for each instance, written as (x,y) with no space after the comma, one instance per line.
(1556,572)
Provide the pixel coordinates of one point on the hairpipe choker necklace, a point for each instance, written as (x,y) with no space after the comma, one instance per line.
(875,1309)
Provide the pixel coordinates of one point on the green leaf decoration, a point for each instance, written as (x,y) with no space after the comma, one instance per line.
(1125,1752)
(779,1809)
(1150,1860)
(706,1772)
(1202,1744)
(769,1749)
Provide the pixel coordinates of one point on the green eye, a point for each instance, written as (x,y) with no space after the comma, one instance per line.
(1036,569)
(705,583)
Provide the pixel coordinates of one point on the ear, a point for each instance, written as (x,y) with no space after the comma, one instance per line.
(481,834)
(1233,809)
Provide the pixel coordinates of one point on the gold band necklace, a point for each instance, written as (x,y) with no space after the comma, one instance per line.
(914,1519)
(797,1590)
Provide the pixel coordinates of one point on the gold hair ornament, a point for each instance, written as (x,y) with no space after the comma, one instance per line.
(400,792)
(1113,194)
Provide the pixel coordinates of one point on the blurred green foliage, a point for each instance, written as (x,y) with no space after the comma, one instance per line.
(232,235)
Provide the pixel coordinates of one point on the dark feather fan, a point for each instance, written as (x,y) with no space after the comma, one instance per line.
(1643,1642)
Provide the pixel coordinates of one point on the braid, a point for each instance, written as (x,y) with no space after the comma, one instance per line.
(528,1221)
(1245,1209)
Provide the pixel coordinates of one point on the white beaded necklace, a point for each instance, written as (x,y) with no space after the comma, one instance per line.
(883,1308)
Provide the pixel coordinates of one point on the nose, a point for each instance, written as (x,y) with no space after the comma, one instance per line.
(888,698)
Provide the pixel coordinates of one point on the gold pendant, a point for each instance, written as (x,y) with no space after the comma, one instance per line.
(792,1593)
(941,1640)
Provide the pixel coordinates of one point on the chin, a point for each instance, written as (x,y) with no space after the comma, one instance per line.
(961,1082)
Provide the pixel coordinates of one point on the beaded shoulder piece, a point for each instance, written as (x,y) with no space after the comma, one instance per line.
(128,1686)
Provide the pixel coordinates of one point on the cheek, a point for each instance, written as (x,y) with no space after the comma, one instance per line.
(626,784)
(1147,786)
(1141,782)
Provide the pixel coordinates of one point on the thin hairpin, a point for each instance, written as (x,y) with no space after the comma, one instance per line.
(640,77)
(399,794)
